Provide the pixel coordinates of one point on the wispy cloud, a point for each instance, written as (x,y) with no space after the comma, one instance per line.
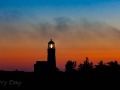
(62,23)
(60,28)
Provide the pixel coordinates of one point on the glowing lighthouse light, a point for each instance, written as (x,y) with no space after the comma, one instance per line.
(51,46)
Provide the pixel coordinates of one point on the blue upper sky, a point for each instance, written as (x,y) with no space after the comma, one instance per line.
(54,2)
(99,10)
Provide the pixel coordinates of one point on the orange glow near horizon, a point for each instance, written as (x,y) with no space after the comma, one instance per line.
(24,57)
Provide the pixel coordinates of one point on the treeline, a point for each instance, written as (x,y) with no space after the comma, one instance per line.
(87,66)
(88,71)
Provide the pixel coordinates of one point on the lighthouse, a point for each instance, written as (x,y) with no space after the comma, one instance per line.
(48,66)
(51,57)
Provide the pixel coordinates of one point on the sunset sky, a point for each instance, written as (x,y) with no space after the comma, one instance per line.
(79,28)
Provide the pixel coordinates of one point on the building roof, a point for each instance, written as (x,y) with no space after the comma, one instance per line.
(51,42)
(39,62)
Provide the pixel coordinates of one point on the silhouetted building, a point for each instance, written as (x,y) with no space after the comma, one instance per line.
(41,67)
(49,65)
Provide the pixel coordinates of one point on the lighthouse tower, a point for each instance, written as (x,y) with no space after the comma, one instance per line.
(51,56)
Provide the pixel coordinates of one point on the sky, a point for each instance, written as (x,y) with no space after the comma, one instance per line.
(79,28)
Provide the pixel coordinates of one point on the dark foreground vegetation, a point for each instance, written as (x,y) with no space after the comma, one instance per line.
(85,74)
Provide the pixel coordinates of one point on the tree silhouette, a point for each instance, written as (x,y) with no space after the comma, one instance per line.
(70,66)
(101,68)
(113,66)
(86,66)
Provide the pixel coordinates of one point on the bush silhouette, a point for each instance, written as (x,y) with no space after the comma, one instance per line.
(86,66)
(70,66)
